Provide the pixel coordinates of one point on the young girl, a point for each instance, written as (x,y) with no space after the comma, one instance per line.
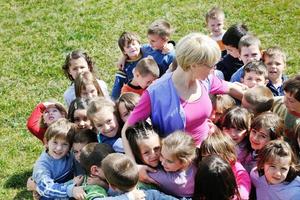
(43,115)
(236,123)
(77,62)
(126,104)
(77,113)
(276,176)
(215,180)
(218,143)
(176,177)
(105,120)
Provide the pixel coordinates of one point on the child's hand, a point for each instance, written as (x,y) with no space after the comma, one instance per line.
(168,48)
(97,181)
(121,62)
(143,176)
(78,180)
(78,193)
(31,185)
(136,195)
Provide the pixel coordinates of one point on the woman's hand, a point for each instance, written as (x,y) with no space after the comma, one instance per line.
(143,175)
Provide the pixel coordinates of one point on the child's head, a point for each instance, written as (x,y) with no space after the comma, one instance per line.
(81,138)
(264,128)
(129,43)
(297,134)
(77,62)
(144,143)
(275,60)
(258,99)
(214,180)
(232,37)
(59,138)
(126,103)
(77,113)
(221,103)
(146,71)
(87,86)
(91,158)
(249,49)
(255,73)
(54,111)
(277,162)
(215,21)
(120,171)
(177,152)
(236,123)
(104,116)
(291,88)
(159,33)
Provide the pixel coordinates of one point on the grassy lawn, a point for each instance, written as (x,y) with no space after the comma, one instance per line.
(36,35)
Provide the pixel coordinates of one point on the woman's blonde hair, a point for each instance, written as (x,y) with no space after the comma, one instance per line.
(197,48)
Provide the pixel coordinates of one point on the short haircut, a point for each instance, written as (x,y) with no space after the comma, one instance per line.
(62,129)
(197,48)
(82,80)
(238,118)
(214,13)
(292,86)
(260,97)
(222,102)
(85,136)
(93,154)
(147,66)
(233,35)
(275,51)
(258,67)
(129,99)
(60,107)
(120,171)
(160,27)
(249,40)
(127,38)
(77,104)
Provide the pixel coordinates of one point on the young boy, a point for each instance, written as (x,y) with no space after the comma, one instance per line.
(249,50)
(122,176)
(275,60)
(215,23)
(231,61)
(55,165)
(254,74)
(144,73)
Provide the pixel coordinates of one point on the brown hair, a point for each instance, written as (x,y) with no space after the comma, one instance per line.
(84,136)
(292,86)
(274,52)
(160,27)
(249,40)
(214,13)
(238,118)
(258,67)
(84,79)
(222,102)
(147,66)
(129,99)
(60,107)
(127,38)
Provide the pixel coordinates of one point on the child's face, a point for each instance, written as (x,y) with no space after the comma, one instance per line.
(252,79)
(150,150)
(107,123)
(89,92)
(58,147)
(216,26)
(78,66)
(124,113)
(81,120)
(215,116)
(275,66)
(51,114)
(292,104)
(77,150)
(259,138)
(168,161)
(250,53)
(277,171)
(236,135)
(132,50)
(144,81)
(234,52)
(157,42)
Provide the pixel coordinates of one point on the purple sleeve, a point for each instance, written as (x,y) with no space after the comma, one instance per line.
(218,86)
(243,180)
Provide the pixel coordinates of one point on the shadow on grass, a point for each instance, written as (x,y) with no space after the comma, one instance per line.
(18,181)
(24,194)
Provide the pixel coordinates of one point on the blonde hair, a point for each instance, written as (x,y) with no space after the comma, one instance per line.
(160,27)
(214,13)
(147,66)
(84,79)
(249,40)
(181,145)
(197,48)
(274,52)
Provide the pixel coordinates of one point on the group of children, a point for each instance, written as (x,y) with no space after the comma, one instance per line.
(251,151)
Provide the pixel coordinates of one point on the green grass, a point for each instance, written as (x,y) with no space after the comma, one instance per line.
(36,35)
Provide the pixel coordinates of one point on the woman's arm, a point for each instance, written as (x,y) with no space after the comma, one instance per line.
(236,90)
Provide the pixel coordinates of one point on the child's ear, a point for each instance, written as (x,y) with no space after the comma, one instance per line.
(94,170)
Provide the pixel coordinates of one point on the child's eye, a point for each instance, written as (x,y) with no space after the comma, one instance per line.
(146,152)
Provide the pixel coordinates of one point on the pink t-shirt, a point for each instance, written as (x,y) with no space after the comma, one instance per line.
(243,180)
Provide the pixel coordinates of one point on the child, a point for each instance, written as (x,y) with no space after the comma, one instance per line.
(275,60)
(296,144)
(231,61)
(215,23)
(105,119)
(91,158)
(276,176)
(177,154)
(145,72)
(126,104)
(55,165)
(215,180)
(249,50)
(254,74)
(77,113)
(77,62)
(43,115)
(222,145)
(258,100)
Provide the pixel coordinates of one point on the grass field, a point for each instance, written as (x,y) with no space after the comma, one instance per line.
(36,35)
